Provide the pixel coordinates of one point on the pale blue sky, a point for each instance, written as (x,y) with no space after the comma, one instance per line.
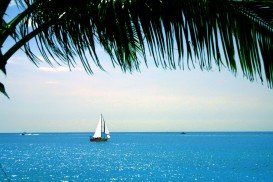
(45,99)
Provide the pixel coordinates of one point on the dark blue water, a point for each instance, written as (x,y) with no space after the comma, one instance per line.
(138,157)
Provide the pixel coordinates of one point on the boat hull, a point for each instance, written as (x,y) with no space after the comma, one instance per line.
(98,139)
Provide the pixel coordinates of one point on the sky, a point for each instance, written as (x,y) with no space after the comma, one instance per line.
(46,99)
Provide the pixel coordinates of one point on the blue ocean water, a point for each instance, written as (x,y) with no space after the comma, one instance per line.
(137,157)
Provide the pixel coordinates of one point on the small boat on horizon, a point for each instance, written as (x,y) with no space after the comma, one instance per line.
(25,133)
(102,133)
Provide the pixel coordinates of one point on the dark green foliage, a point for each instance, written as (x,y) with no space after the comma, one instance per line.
(176,33)
(2,63)
(2,89)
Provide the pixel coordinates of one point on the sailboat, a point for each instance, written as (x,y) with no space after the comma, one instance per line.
(102,133)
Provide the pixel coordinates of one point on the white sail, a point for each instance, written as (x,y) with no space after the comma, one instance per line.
(101,131)
(98,130)
(107,132)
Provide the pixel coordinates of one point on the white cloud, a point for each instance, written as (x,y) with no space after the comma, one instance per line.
(52,82)
(58,69)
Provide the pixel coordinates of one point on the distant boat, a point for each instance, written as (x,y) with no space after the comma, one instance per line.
(102,133)
(183,133)
(24,133)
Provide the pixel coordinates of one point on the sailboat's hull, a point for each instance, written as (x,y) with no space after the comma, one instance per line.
(98,139)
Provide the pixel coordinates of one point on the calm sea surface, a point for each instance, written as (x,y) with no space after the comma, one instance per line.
(137,157)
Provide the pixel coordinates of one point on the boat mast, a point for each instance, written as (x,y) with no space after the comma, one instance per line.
(101,123)
(103,126)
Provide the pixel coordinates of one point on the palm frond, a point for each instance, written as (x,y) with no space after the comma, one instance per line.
(2,90)
(176,33)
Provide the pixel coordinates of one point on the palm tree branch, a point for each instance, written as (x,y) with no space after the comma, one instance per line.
(10,27)
(233,34)
(27,38)
(3,7)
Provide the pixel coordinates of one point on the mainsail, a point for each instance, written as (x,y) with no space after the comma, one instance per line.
(98,129)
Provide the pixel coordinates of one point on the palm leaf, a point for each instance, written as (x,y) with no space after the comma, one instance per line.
(176,33)
(2,90)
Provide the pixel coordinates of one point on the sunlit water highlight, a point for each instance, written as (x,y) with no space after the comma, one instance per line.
(138,157)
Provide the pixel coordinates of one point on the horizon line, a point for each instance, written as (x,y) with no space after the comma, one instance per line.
(222,131)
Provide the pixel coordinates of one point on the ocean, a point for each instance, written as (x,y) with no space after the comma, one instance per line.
(194,156)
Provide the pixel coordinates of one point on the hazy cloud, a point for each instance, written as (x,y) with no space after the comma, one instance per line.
(59,69)
(52,82)
(49,69)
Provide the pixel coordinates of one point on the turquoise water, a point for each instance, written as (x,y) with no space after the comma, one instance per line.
(137,157)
